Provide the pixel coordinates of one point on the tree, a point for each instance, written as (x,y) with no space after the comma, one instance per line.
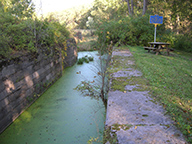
(128,5)
(131,10)
(19,8)
(99,89)
(132,7)
(135,8)
(181,15)
(145,2)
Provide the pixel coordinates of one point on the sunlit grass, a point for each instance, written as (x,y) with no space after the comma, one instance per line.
(87,45)
(170,82)
(88,41)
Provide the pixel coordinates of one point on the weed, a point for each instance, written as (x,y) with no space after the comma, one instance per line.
(90,58)
(109,136)
(80,61)
(85,59)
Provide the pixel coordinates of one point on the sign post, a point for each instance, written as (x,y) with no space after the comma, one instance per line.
(156,19)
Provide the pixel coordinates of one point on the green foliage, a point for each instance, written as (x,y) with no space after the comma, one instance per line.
(4,47)
(80,61)
(87,88)
(183,42)
(58,31)
(112,16)
(19,9)
(108,10)
(109,136)
(90,58)
(85,59)
(129,31)
(19,36)
(20,32)
(178,41)
(75,17)
(181,15)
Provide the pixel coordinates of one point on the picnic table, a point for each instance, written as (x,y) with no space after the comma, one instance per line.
(157,46)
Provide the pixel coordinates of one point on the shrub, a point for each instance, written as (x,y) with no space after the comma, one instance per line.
(85,59)
(4,47)
(128,31)
(30,35)
(183,42)
(177,41)
(90,58)
(80,61)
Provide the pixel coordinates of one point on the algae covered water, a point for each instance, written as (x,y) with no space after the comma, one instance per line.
(61,115)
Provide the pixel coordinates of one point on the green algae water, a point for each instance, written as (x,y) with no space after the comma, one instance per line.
(61,115)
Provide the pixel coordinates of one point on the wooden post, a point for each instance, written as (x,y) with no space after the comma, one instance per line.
(167,50)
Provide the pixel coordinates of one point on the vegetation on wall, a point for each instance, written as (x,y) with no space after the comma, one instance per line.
(21,31)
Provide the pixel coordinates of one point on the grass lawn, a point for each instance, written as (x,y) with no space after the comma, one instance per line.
(169,79)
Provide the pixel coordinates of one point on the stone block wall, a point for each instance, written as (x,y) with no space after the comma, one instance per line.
(71,57)
(25,78)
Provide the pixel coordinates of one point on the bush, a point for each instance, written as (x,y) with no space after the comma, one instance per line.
(177,41)
(128,31)
(90,58)
(138,31)
(4,47)
(85,59)
(29,35)
(80,61)
(183,42)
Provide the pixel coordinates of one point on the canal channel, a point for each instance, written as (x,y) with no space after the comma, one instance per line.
(61,115)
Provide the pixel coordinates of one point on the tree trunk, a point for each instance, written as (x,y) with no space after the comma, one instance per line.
(129,7)
(144,6)
(132,8)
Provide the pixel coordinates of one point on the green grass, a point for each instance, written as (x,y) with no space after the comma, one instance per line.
(88,43)
(87,46)
(170,82)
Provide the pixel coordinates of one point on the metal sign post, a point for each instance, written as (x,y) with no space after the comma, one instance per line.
(156,19)
(155,33)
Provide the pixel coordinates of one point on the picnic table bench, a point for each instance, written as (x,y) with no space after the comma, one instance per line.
(157,46)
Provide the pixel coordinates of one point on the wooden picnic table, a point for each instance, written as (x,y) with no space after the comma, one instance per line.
(157,46)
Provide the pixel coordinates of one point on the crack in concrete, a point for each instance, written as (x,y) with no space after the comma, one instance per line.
(149,124)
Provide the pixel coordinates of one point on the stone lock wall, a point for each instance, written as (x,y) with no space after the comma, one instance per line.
(25,78)
(71,57)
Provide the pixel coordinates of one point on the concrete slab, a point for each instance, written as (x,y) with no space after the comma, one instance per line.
(147,121)
(121,53)
(127,73)
(149,135)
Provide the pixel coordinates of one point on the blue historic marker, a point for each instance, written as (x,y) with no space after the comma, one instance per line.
(156,19)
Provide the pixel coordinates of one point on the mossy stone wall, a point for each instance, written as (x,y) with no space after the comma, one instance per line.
(25,78)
